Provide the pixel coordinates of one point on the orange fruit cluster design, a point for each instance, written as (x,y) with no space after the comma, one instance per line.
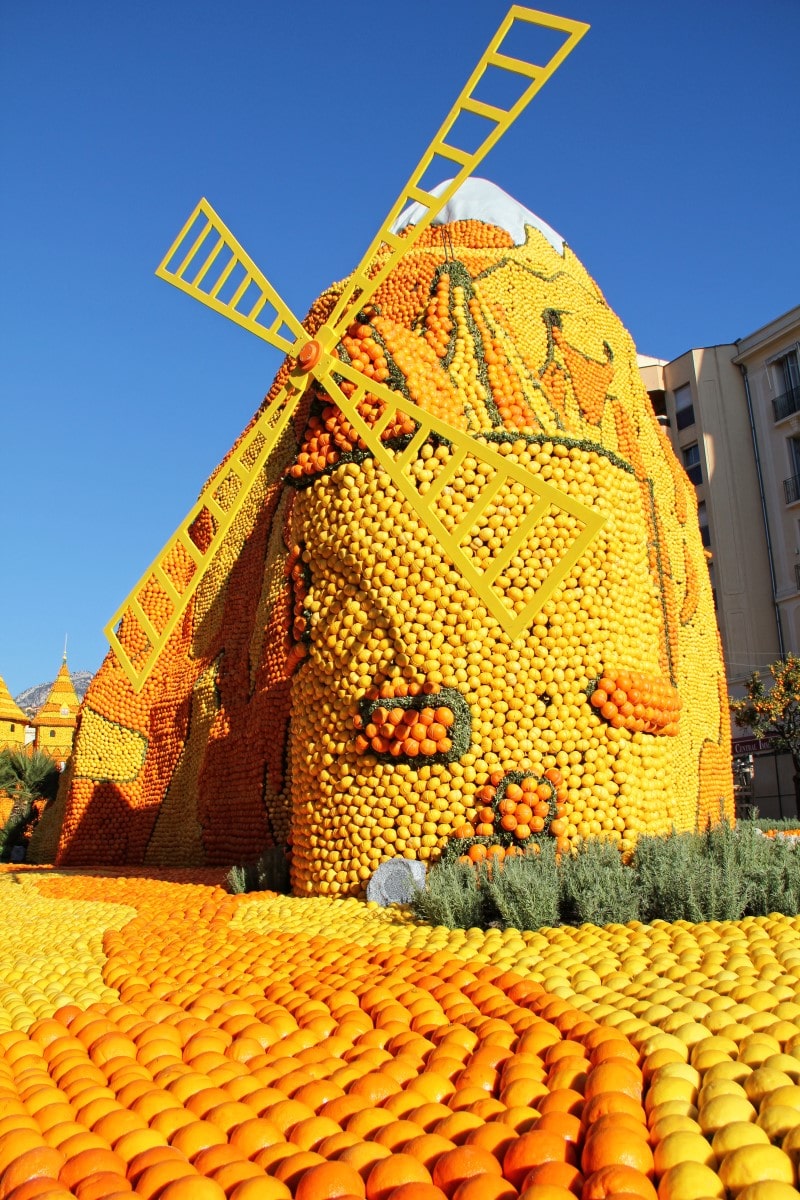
(415,729)
(638,702)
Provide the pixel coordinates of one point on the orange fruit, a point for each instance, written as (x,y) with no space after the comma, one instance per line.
(466,1161)
(291,1168)
(427,1148)
(532,1148)
(457,1126)
(608,1147)
(611,1102)
(556,1174)
(195,1137)
(91,1162)
(40,1186)
(197,1188)
(260,1189)
(393,1171)
(614,1076)
(418,1191)
(253,1135)
(564,1124)
(17,1142)
(609,1181)
(153,1179)
(493,1136)
(98,1187)
(329,1179)
(33,1163)
(484,1187)
(551,1191)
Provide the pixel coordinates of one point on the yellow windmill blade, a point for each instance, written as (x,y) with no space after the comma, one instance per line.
(534,508)
(207,262)
(136,634)
(445,151)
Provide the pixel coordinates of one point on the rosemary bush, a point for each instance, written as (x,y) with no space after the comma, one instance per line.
(596,887)
(722,874)
(455,896)
(524,891)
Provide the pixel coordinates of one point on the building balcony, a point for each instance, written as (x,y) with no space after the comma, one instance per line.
(783,406)
(791,488)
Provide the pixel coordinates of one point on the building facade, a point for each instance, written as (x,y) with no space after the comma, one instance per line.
(732,413)
(56,720)
(13,721)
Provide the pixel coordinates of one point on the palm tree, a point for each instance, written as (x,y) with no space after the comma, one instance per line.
(26,776)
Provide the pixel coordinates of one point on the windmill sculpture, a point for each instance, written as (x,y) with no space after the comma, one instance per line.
(452,558)
(208,263)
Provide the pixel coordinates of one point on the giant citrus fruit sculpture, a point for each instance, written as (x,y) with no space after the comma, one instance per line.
(334,680)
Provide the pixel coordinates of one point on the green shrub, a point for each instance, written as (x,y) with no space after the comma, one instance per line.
(596,887)
(269,874)
(722,874)
(454,895)
(524,891)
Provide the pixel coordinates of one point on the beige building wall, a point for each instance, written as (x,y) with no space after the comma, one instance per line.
(770,358)
(732,413)
(701,401)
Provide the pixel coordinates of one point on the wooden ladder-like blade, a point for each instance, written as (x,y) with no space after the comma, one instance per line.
(142,625)
(207,262)
(445,151)
(536,502)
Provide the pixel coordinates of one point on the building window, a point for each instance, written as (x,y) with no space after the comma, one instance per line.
(702,520)
(52,733)
(786,378)
(11,727)
(691,462)
(684,409)
(713,584)
(791,486)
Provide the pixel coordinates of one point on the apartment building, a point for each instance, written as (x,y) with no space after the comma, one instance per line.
(732,413)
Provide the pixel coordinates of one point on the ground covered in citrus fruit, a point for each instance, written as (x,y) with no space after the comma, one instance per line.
(161,1038)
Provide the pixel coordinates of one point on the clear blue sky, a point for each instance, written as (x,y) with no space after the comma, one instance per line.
(665,151)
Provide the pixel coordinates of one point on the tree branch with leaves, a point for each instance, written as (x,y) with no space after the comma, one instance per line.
(774,712)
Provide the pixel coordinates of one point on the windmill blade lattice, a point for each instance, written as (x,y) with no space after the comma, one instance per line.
(535,502)
(207,262)
(177,571)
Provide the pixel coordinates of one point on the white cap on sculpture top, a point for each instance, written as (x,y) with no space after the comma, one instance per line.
(481,200)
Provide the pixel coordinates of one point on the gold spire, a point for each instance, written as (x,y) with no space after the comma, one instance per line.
(60,709)
(9,709)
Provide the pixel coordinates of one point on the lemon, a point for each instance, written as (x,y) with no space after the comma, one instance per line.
(788,1094)
(720,1087)
(768,1189)
(665,1090)
(738,1133)
(755,1164)
(763,1081)
(683,1146)
(777,1120)
(724,1109)
(690,1181)
(675,1123)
